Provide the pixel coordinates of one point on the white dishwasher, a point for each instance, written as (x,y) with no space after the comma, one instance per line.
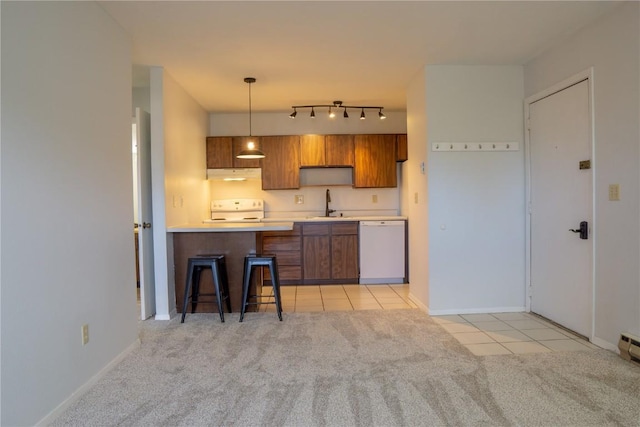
(382,252)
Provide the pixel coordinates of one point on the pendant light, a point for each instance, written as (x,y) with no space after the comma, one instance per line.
(251,152)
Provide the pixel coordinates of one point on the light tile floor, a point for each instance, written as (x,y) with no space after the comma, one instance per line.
(510,333)
(481,334)
(341,298)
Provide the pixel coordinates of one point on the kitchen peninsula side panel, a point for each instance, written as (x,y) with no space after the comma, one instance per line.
(234,246)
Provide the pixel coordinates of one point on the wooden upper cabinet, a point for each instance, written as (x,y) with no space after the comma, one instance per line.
(402,151)
(375,161)
(219,152)
(239,144)
(281,165)
(312,151)
(339,150)
(326,151)
(222,151)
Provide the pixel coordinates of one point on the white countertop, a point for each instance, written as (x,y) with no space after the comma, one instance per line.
(229,227)
(273,224)
(337,218)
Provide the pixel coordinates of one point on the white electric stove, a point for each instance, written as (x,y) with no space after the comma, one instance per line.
(236,210)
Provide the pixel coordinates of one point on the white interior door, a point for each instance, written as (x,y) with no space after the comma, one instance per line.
(145,234)
(561,198)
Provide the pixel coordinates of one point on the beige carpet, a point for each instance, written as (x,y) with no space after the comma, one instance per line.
(362,368)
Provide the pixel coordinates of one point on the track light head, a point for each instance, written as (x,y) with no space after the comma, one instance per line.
(294,114)
(313,113)
(331,113)
(362,116)
(345,115)
(381,115)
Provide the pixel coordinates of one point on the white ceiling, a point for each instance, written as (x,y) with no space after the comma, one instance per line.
(314,52)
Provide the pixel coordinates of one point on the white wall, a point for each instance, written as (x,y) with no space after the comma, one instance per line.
(141,97)
(281,203)
(414,194)
(185,133)
(611,45)
(67,244)
(178,168)
(476,199)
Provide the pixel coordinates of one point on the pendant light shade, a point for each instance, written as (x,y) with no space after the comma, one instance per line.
(251,152)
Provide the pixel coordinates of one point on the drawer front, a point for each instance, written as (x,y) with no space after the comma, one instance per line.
(316,229)
(286,272)
(277,244)
(294,232)
(287,258)
(344,228)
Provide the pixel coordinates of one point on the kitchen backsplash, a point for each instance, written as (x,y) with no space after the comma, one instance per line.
(282,203)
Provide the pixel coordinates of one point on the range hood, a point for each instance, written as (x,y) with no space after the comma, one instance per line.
(241,174)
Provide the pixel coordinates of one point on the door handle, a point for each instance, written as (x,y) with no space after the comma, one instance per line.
(146,225)
(583,230)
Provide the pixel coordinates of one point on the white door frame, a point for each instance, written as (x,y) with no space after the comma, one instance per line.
(577,78)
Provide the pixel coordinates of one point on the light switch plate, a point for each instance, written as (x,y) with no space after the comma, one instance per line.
(298,199)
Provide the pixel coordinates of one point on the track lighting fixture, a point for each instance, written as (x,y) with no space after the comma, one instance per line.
(336,105)
(251,152)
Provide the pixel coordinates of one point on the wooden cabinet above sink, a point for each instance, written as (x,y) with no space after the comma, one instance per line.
(326,151)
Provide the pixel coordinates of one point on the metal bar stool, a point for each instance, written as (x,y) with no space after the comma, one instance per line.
(251,261)
(218,268)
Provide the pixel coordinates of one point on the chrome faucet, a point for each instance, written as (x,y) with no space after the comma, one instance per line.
(327,211)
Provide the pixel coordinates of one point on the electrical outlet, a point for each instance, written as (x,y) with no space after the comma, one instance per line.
(374,198)
(298,199)
(85,334)
(614,192)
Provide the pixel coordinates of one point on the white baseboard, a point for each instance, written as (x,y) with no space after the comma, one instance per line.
(49,418)
(605,344)
(477,310)
(169,316)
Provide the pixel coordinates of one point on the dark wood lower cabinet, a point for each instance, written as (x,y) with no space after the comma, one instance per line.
(314,253)
(287,247)
(344,250)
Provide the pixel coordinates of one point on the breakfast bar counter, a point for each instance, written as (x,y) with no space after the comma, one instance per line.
(229,227)
(233,240)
